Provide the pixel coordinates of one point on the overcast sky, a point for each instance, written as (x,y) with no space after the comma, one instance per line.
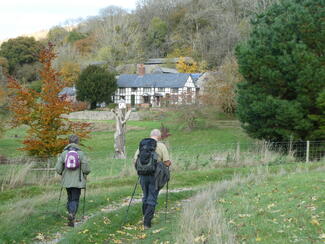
(18,17)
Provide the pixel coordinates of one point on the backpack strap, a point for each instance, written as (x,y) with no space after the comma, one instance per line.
(80,171)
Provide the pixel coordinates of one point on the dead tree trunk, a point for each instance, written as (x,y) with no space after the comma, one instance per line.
(121,117)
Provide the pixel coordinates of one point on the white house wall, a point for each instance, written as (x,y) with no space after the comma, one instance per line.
(140,92)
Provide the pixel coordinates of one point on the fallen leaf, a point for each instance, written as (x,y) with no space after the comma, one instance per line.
(128,227)
(258,239)
(314,221)
(117,241)
(40,237)
(143,236)
(200,238)
(157,231)
(231,222)
(84,231)
(106,221)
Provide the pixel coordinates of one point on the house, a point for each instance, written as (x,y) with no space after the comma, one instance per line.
(68,94)
(165,86)
(155,89)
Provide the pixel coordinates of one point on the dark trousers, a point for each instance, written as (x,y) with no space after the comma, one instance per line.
(149,200)
(73,199)
(150,194)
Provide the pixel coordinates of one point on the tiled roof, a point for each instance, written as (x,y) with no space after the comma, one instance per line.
(163,70)
(69,91)
(153,80)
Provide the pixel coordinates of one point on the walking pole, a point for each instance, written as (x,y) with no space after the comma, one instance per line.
(127,211)
(167,197)
(166,202)
(83,210)
(57,206)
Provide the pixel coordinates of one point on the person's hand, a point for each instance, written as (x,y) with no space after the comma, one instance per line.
(167,163)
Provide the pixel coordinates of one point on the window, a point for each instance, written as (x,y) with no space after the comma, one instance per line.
(122,90)
(146,99)
(161,89)
(134,89)
(147,89)
(122,97)
(189,89)
(174,90)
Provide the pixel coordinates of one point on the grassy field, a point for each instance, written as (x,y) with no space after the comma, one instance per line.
(282,209)
(28,200)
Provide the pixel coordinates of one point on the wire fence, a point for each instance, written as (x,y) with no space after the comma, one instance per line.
(187,157)
(300,150)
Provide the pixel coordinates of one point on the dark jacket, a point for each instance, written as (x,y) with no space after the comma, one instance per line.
(162,175)
(73,178)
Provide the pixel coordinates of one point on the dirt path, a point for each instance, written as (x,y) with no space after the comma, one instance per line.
(59,236)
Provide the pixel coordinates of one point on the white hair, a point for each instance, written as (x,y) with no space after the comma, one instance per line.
(155,133)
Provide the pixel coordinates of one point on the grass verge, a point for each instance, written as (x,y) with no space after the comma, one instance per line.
(261,208)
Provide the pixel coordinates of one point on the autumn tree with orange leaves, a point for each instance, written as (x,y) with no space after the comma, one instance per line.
(3,108)
(42,111)
(187,65)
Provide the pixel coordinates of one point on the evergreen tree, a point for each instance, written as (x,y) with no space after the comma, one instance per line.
(283,67)
(95,85)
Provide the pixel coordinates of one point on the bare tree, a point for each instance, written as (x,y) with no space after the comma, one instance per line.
(121,117)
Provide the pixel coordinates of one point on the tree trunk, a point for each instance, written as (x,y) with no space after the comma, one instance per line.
(93,105)
(121,118)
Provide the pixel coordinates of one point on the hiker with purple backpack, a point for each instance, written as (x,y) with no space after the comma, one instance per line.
(73,166)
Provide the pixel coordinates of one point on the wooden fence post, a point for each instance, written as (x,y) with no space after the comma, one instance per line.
(238,152)
(307,152)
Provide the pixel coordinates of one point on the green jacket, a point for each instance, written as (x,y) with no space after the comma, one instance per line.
(71,178)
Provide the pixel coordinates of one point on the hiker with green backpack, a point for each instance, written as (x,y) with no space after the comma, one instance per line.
(73,166)
(151,162)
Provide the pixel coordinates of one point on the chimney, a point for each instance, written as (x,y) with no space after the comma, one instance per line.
(141,70)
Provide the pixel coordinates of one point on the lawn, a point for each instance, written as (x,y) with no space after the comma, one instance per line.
(28,210)
(282,209)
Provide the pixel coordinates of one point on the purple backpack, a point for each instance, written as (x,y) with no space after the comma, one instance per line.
(72,160)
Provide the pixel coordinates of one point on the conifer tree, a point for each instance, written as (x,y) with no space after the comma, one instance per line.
(283,66)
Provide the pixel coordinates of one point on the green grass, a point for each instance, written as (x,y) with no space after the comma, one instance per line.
(101,143)
(283,209)
(109,227)
(100,194)
(189,150)
(30,209)
(11,141)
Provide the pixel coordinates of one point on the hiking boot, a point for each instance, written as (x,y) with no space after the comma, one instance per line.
(150,210)
(71,220)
